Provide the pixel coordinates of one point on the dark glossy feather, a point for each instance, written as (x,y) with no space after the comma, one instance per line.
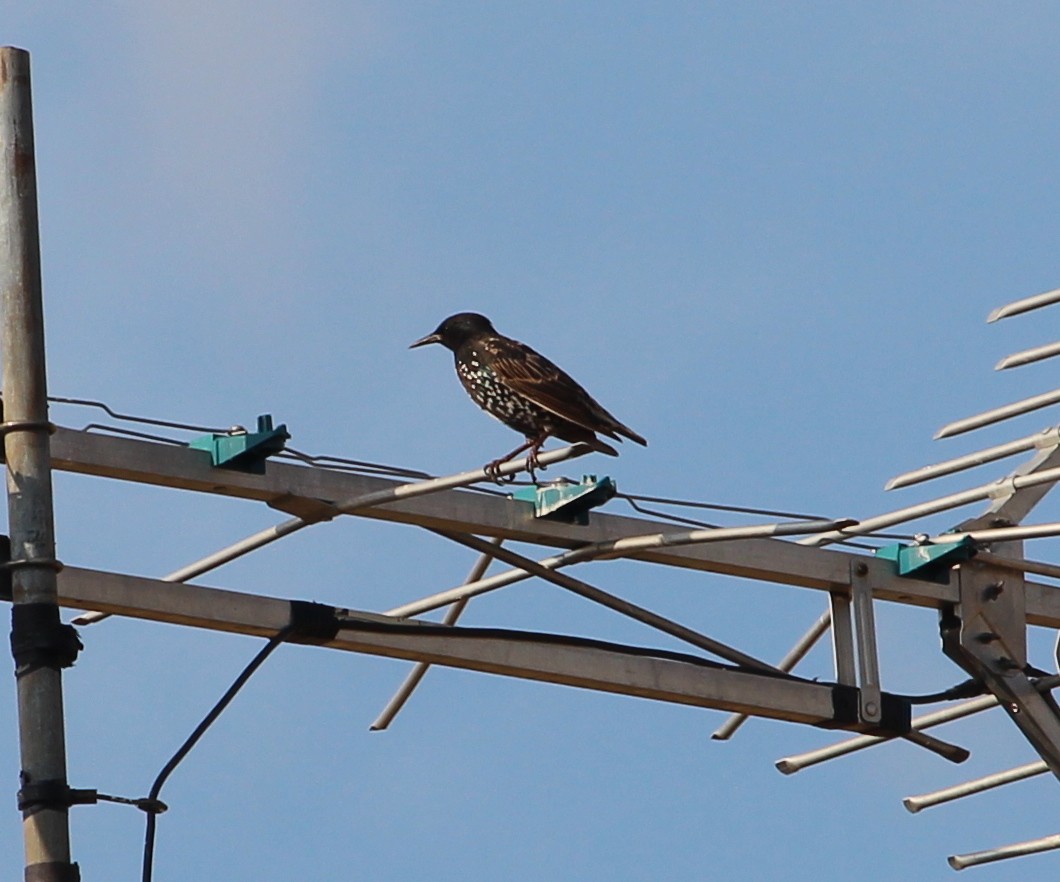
(523,389)
(530,374)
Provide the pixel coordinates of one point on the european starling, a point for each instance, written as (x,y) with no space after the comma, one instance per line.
(523,389)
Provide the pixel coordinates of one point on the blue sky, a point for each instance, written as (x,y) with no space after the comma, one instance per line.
(766,235)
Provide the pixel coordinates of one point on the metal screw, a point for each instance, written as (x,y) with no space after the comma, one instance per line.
(870,709)
(993,591)
(861,569)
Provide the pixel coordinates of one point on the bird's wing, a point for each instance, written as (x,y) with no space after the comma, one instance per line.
(531,374)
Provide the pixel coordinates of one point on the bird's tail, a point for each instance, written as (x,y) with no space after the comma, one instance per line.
(629,433)
(600,447)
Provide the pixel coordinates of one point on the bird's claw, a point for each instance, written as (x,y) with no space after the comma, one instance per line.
(532,465)
(493,469)
(493,472)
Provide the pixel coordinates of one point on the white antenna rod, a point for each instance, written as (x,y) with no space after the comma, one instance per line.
(988,782)
(998,414)
(1046,438)
(1024,305)
(1028,356)
(1019,849)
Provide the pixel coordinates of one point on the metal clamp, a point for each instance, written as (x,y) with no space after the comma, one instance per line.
(49,563)
(10,426)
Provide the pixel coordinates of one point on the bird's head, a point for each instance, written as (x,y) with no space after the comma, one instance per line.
(457,330)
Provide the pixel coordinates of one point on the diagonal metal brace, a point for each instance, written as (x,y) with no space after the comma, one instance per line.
(986,634)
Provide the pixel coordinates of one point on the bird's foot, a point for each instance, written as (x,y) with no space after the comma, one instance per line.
(493,472)
(533,464)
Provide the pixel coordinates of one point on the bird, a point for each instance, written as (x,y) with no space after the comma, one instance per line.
(524,390)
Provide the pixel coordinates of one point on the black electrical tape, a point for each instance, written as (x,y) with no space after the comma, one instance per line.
(39,639)
(52,794)
(312,622)
(6,589)
(54,871)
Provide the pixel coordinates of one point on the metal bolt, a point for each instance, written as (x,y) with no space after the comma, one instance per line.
(993,591)
(870,709)
(861,569)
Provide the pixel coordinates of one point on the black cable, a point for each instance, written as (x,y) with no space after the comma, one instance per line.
(966,689)
(971,688)
(169,424)
(655,513)
(132,433)
(717,506)
(192,740)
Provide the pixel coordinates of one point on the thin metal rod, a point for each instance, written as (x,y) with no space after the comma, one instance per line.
(979,785)
(797,763)
(1028,356)
(452,616)
(1020,565)
(1024,305)
(611,549)
(995,489)
(796,654)
(1044,439)
(473,589)
(42,741)
(366,500)
(633,544)
(1019,849)
(790,765)
(639,613)
(1001,534)
(998,414)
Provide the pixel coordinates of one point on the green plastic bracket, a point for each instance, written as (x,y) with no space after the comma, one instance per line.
(931,562)
(246,451)
(563,500)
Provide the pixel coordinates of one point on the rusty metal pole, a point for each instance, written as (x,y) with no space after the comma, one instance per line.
(37,634)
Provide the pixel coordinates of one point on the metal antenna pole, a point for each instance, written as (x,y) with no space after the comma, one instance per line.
(35,616)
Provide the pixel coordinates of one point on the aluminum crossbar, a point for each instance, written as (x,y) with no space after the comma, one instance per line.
(324,512)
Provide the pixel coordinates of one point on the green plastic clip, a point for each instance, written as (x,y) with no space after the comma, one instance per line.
(931,562)
(563,500)
(246,451)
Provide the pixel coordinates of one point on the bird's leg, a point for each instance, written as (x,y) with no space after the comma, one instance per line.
(531,461)
(532,444)
(493,468)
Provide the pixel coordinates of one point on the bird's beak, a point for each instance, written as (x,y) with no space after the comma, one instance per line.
(430,338)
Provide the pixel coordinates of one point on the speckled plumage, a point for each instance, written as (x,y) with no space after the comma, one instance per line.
(523,389)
